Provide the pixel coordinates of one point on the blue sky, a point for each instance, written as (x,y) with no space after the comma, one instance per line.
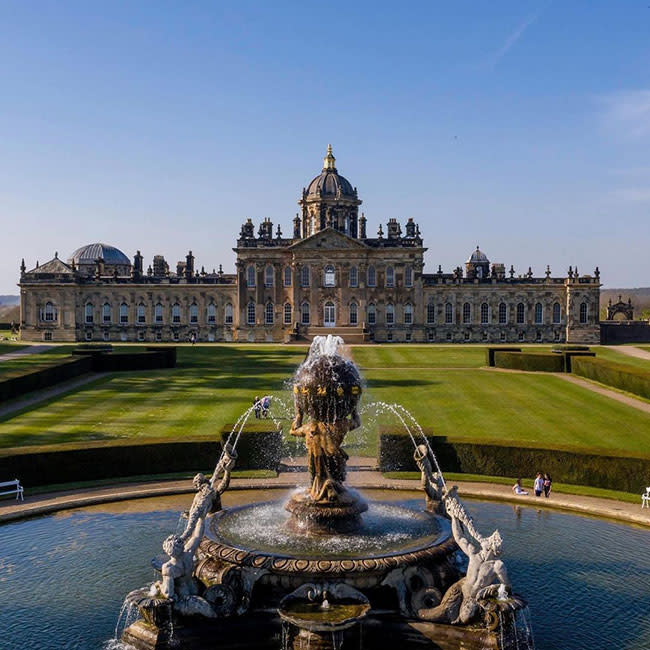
(520,126)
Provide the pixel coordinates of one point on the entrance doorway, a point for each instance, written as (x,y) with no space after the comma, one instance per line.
(329,314)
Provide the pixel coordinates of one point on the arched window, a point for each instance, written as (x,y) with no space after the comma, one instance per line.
(329,276)
(158,313)
(227,314)
(503,313)
(176,313)
(89,313)
(304,276)
(268,276)
(408,314)
(124,313)
(431,313)
(354,276)
(408,276)
(521,312)
(354,313)
(539,313)
(212,313)
(467,312)
(287,276)
(106,313)
(390,276)
(372,314)
(390,314)
(268,313)
(288,313)
(250,276)
(557,313)
(304,313)
(485,313)
(250,313)
(372,276)
(49,312)
(449,313)
(141,313)
(194,313)
(583,312)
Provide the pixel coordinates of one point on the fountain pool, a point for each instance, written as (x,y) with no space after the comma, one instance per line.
(63,577)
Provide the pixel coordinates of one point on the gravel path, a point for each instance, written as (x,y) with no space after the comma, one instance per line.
(23,352)
(631,351)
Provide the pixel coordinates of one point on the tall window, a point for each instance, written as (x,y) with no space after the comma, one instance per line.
(583,312)
(89,313)
(268,313)
(49,313)
(354,314)
(106,313)
(268,276)
(330,276)
(250,276)
(539,313)
(557,313)
(227,314)
(158,313)
(372,276)
(485,313)
(176,313)
(449,313)
(408,314)
(354,276)
(212,313)
(431,313)
(372,314)
(467,313)
(304,313)
(408,276)
(390,276)
(390,314)
(521,312)
(503,313)
(194,313)
(304,276)
(287,313)
(141,313)
(124,313)
(250,313)
(287,276)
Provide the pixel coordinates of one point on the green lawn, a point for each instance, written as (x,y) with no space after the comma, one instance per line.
(611,353)
(10,347)
(419,356)
(29,362)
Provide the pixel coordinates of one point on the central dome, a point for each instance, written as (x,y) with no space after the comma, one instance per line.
(330,183)
(91,252)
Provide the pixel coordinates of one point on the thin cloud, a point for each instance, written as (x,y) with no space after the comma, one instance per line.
(514,37)
(627,113)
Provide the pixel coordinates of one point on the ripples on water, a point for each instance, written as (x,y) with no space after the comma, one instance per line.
(63,578)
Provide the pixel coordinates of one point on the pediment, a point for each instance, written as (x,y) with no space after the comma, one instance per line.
(53,266)
(329,239)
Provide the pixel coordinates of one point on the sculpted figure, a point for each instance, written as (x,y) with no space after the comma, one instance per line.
(430,480)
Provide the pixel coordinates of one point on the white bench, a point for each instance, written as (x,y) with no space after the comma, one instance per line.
(645,498)
(15,488)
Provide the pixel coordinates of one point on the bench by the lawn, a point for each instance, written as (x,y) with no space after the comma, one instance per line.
(12,487)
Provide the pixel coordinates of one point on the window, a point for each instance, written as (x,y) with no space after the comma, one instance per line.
(288,313)
(408,276)
(354,314)
(521,336)
(449,336)
(194,313)
(141,334)
(467,312)
(287,276)
(583,312)
(502,336)
(372,314)
(354,276)
(485,313)
(390,314)
(431,336)
(124,313)
(158,313)
(176,313)
(304,313)
(89,313)
(409,336)
(141,314)
(556,335)
(330,276)
(176,336)
(212,313)
(557,313)
(106,313)
(106,335)
(485,335)
(49,313)
(431,313)
(539,336)
(390,276)
(250,276)
(47,336)
(89,335)
(158,336)
(268,276)
(467,336)
(250,313)
(449,313)
(228,314)
(408,314)
(304,276)
(520,312)
(539,313)
(268,313)
(389,335)
(372,276)
(503,313)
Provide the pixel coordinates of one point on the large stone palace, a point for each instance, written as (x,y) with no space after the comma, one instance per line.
(328,276)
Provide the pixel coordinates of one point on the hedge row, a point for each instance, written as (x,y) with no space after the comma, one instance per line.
(570,348)
(260,448)
(532,361)
(628,378)
(104,360)
(489,354)
(611,472)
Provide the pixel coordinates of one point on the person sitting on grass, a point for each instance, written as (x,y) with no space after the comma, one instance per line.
(517,489)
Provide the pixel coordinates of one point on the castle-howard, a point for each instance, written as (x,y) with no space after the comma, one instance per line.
(328,277)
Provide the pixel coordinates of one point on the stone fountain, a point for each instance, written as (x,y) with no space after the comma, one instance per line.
(310,572)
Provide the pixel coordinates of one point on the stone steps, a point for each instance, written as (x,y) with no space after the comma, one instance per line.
(351,335)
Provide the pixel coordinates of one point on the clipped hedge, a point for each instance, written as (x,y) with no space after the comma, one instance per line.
(570,355)
(627,378)
(531,361)
(570,348)
(489,354)
(611,472)
(260,445)
(125,361)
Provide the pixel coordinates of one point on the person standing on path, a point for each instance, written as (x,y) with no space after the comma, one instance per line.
(257,407)
(538,485)
(548,481)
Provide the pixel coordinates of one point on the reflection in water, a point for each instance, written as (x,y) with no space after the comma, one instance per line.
(63,578)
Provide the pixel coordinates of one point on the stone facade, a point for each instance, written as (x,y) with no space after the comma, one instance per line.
(328,277)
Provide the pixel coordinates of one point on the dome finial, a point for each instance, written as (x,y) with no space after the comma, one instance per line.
(329,162)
